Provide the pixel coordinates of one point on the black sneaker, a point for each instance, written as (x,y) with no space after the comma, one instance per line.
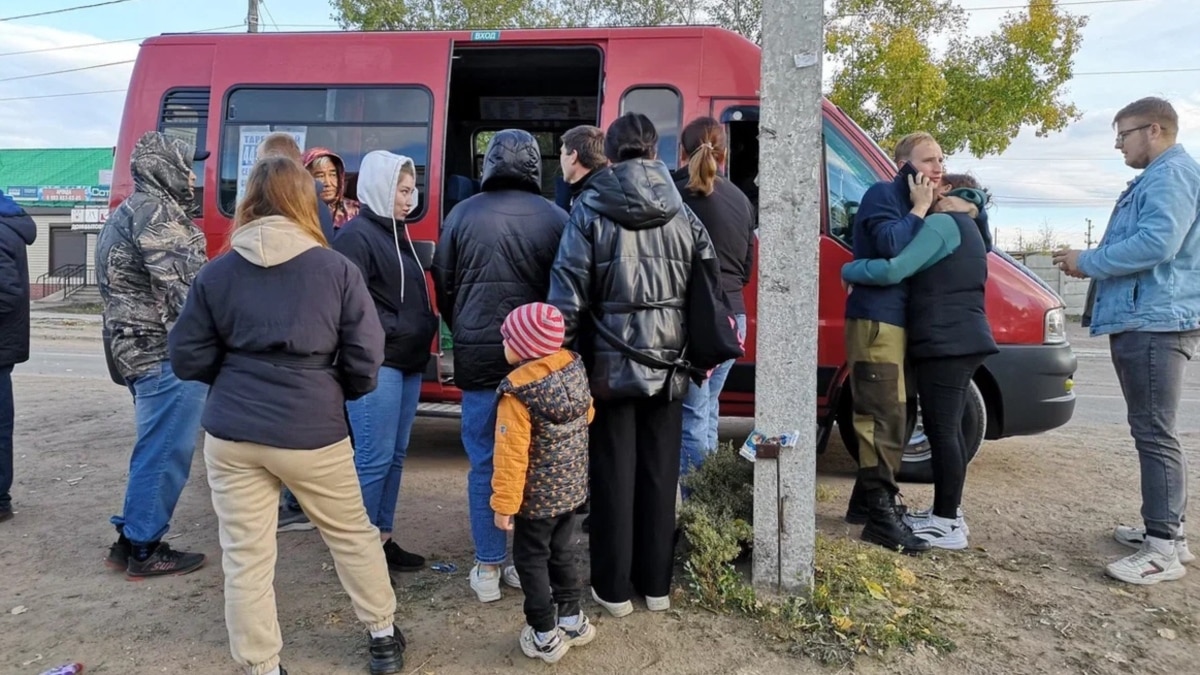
(387,653)
(399,560)
(118,554)
(293,520)
(164,562)
(6,513)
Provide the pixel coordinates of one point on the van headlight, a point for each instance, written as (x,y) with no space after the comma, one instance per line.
(1055,329)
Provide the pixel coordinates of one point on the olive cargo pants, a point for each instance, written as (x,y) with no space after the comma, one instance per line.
(875,354)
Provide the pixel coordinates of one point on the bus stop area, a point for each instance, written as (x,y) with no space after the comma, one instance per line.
(1030,595)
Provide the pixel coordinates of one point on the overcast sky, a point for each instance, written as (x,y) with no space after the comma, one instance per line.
(1061,180)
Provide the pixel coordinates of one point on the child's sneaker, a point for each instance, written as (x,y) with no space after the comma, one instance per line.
(549,648)
(576,630)
(1134,537)
(1155,562)
(485,583)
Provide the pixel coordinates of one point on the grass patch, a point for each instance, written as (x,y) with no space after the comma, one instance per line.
(864,600)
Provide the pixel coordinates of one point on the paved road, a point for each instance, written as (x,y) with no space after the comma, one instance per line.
(1100,401)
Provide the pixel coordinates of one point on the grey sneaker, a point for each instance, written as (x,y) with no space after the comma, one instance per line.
(293,520)
(578,633)
(1134,537)
(1156,561)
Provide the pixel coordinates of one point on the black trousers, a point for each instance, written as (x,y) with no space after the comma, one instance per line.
(634,468)
(545,560)
(943,384)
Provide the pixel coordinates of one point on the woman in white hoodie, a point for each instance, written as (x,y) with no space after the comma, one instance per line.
(283,331)
(377,241)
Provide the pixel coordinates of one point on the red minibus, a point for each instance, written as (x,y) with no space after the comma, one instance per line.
(436,96)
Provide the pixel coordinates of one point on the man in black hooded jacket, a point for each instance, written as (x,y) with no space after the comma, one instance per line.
(494,255)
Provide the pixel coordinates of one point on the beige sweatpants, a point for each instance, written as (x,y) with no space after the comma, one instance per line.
(245,480)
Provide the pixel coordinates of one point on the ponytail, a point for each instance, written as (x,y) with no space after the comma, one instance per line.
(703,141)
(702,170)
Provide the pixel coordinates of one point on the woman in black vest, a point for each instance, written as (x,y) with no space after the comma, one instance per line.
(949,336)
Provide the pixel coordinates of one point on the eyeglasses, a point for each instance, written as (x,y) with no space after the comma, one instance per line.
(1122,134)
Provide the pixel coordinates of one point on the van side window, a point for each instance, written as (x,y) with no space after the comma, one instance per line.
(350,121)
(847,175)
(665,109)
(184,115)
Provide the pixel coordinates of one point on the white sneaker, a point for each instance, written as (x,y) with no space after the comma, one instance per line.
(579,633)
(941,533)
(916,516)
(1156,561)
(550,650)
(658,604)
(485,584)
(1134,537)
(510,577)
(616,609)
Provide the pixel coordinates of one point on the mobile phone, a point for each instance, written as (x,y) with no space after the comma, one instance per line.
(907,169)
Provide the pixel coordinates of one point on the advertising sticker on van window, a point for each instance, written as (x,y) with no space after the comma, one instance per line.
(249,139)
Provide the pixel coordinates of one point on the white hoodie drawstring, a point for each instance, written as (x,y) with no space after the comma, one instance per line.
(400,258)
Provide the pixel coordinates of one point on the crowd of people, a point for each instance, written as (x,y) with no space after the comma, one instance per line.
(586,384)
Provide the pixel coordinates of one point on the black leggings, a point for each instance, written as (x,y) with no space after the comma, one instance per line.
(943,385)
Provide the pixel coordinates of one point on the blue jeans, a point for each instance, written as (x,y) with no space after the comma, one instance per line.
(6,437)
(382,422)
(701,414)
(1150,368)
(479,438)
(167,410)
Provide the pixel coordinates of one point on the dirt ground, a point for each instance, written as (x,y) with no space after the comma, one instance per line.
(1032,596)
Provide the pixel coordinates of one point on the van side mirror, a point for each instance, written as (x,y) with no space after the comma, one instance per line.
(425,251)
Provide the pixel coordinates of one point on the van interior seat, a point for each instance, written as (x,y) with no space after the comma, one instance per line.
(458,188)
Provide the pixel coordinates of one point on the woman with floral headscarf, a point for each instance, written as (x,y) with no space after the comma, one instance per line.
(327,167)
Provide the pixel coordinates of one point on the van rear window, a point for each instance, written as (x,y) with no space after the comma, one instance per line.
(350,121)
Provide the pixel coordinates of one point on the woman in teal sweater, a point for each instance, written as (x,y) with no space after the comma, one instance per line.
(945,267)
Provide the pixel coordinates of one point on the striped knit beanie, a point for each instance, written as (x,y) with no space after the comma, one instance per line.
(533,330)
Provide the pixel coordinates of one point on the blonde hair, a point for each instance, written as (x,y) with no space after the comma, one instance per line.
(906,145)
(703,141)
(281,144)
(279,186)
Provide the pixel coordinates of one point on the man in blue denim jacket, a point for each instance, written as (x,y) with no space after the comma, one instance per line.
(1146,277)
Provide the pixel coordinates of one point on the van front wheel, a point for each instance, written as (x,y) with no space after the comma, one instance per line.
(917,466)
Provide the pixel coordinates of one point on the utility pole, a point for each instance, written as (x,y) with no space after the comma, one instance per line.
(252,17)
(1089,232)
(785,386)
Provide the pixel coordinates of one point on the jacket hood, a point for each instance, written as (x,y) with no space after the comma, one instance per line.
(512,162)
(160,166)
(637,194)
(313,154)
(271,241)
(554,386)
(377,180)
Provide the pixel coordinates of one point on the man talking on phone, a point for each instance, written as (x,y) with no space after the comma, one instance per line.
(889,216)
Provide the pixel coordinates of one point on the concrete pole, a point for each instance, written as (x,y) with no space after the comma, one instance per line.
(790,222)
(252,17)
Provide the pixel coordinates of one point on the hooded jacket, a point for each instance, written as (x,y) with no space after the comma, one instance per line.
(17,231)
(343,209)
(627,256)
(494,255)
(541,458)
(148,253)
(284,332)
(377,241)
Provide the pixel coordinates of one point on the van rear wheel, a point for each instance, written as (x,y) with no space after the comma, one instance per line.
(917,466)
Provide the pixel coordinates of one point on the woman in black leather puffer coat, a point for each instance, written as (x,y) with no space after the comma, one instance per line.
(625,260)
